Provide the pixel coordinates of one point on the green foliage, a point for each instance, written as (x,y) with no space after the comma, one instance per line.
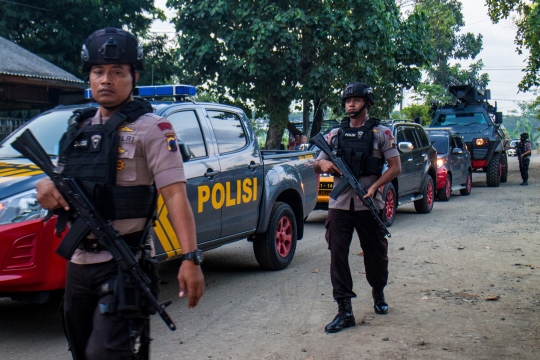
(274,52)
(56,30)
(445,21)
(161,61)
(526,16)
(421,111)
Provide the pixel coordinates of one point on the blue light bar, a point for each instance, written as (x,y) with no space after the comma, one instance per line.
(157,91)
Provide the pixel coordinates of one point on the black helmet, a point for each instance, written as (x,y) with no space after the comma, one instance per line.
(358,89)
(524,136)
(111,46)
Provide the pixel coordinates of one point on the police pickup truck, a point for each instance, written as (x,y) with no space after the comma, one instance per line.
(236,191)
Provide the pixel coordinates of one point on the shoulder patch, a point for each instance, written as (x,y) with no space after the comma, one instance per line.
(164,126)
(171,142)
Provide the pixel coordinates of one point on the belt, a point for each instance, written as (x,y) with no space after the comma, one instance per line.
(93,246)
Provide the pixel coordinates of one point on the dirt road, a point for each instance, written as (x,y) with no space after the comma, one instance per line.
(444,269)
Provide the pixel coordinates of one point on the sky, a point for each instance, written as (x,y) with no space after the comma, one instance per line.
(501,61)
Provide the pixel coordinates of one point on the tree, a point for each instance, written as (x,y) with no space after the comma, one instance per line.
(526,16)
(56,30)
(272,53)
(445,21)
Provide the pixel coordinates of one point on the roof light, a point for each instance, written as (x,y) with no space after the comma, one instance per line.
(157,91)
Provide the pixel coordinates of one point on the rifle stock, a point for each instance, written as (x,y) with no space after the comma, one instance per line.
(348,179)
(81,204)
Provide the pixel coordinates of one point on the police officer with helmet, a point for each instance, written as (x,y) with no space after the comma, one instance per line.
(121,154)
(364,145)
(524,150)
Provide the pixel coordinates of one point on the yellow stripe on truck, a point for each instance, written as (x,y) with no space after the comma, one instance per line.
(165,232)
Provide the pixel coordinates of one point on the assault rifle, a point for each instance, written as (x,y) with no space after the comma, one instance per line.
(348,179)
(81,205)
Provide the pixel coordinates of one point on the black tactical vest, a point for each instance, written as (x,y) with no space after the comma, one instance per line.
(355,147)
(89,153)
(522,148)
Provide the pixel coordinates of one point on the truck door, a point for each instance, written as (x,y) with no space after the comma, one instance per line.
(202,172)
(241,171)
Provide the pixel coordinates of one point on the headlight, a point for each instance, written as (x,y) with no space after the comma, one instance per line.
(481,142)
(440,162)
(21,207)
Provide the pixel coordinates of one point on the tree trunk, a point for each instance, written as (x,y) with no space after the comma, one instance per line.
(278,110)
(317,117)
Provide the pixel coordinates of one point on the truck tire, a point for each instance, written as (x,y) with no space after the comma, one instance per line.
(468,185)
(425,204)
(445,193)
(390,203)
(274,249)
(493,171)
(504,163)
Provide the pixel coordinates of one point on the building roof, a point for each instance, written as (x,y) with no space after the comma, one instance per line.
(16,61)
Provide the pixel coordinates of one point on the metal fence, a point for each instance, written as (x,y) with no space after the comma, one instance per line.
(8,125)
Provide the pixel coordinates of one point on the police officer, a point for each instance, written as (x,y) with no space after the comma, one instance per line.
(364,145)
(121,146)
(524,157)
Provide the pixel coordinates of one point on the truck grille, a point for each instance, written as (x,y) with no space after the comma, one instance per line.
(479,153)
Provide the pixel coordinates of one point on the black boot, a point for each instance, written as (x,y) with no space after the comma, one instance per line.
(344,318)
(381,307)
(524,183)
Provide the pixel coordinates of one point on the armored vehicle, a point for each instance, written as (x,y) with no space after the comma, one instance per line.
(480,126)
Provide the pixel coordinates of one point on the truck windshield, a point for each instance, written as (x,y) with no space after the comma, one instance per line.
(460,119)
(440,143)
(47,128)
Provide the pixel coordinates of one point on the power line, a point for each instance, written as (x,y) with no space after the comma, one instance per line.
(30,6)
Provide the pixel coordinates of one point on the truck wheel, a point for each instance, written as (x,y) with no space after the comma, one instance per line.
(493,171)
(274,249)
(425,205)
(390,202)
(504,163)
(445,193)
(468,185)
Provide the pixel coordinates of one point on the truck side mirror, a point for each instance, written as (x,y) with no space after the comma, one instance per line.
(498,117)
(184,151)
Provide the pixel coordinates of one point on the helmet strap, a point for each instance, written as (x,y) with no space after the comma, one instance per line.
(356,113)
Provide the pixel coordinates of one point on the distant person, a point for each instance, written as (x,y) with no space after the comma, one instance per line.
(524,150)
(294,143)
(303,145)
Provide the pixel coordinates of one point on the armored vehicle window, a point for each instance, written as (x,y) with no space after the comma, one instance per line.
(422,137)
(461,119)
(230,134)
(440,143)
(188,130)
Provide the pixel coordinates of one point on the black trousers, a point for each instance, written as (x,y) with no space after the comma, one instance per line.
(91,334)
(524,168)
(340,225)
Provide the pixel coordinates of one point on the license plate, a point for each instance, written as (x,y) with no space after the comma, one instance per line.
(324,186)
(324,192)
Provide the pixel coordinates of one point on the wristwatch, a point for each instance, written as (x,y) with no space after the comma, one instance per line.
(196,255)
